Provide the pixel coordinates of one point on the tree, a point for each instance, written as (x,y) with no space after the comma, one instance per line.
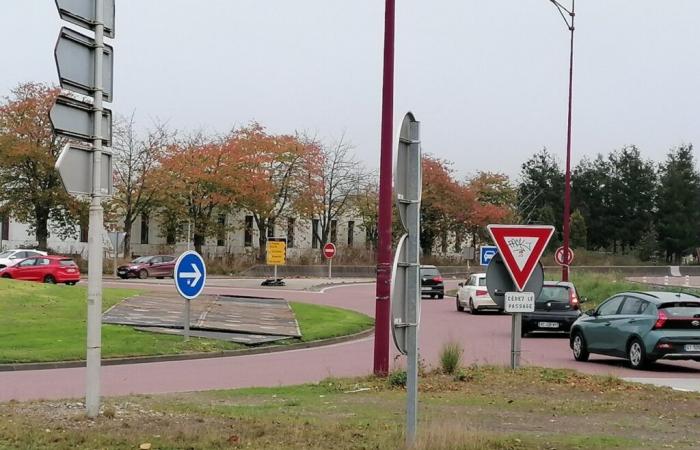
(591,192)
(492,200)
(30,187)
(135,163)
(578,229)
(274,176)
(541,190)
(648,244)
(443,203)
(678,203)
(337,178)
(200,177)
(365,204)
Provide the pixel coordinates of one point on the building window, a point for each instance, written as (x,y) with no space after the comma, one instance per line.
(270,228)
(334,231)
(170,235)
(144,228)
(84,230)
(290,232)
(221,232)
(314,233)
(248,231)
(351,232)
(5,228)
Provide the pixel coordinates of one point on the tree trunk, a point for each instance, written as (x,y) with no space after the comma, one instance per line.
(262,239)
(198,243)
(128,223)
(42,228)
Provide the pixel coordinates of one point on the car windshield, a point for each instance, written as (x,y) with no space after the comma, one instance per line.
(682,309)
(67,262)
(429,272)
(554,294)
(5,254)
(141,260)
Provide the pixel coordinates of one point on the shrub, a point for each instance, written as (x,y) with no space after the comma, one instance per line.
(397,378)
(451,357)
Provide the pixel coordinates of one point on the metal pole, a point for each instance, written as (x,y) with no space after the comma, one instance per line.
(275,276)
(187,320)
(189,224)
(515,340)
(567,186)
(383,304)
(330,263)
(94,310)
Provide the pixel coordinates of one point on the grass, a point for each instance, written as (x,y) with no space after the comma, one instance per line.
(493,408)
(451,357)
(40,323)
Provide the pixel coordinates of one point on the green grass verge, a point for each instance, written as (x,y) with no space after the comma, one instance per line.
(485,408)
(40,323)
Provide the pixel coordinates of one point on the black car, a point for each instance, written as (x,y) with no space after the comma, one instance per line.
(556,309)
(431,282)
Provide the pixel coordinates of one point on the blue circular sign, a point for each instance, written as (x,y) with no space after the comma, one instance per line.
(190,274)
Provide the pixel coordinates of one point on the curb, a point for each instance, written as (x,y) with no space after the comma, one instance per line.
(189,356)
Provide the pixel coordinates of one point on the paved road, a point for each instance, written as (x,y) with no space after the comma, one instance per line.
(485,338)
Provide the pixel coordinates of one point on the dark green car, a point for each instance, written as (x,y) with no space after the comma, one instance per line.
(641,327)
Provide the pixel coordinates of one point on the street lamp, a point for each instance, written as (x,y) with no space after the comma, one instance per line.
(569,16)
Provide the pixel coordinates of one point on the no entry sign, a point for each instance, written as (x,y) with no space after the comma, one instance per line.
(329,250)
(563,257)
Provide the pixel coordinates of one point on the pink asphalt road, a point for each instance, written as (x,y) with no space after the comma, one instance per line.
(485,338)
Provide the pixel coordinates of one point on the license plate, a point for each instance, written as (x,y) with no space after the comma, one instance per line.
(692,348)
(70,271)
(548,324)
(425,289)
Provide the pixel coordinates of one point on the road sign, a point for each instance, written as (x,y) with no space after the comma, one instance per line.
(563,258)
(190,275)
(486,253)
(75,61)
(276,253)
(82,12)
(75,119)
(329,250)
(521,247)
(408,176)
(74,164)
(499,281)
(398,296)
(519,302)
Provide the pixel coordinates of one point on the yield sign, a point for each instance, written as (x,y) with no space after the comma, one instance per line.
(521,247)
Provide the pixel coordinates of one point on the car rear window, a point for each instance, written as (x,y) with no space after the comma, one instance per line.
(482,281)
(554,294)
(682,309)
(67,262)
(429,271)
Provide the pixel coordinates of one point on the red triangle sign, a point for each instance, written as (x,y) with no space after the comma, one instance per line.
(521,247)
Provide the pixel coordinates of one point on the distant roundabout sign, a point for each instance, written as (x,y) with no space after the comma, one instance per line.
(564,258)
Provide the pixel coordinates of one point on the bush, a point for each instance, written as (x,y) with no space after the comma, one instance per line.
(451,357)
(397,378)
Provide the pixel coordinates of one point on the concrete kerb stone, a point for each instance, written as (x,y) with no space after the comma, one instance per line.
(189,356)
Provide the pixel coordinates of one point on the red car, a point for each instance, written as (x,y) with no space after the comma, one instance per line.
(47,269)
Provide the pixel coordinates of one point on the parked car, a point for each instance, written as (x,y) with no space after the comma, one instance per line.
(431,282)
(11,257)
(159,266)
(556,309)
(48,269)
(473,295)
(641,327)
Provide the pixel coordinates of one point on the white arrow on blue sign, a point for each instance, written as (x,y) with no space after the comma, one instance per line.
(190,275)
(486,254)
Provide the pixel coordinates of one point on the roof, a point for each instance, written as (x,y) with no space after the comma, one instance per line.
(663,296)
(558,283)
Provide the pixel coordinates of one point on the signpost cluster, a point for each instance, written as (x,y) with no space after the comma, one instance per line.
(515,276)
(85,70)
(405,286)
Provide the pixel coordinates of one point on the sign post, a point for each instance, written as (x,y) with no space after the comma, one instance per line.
(190,276)
(276,253)
(405,286)
(520,247)
(85,67)
(329,251)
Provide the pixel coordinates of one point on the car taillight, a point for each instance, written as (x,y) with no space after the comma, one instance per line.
(573,300)
(660,320)
(480,293)
(437,279)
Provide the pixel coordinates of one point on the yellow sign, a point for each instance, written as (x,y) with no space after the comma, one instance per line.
(276,253)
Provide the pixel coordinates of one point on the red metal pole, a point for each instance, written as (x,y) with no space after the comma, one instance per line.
(382,311)
(567,186)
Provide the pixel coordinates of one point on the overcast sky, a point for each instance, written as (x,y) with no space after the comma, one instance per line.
(487,79)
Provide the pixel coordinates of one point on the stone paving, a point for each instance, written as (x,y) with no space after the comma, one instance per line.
(249,320)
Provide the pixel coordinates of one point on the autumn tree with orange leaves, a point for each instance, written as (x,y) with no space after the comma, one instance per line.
(30,187)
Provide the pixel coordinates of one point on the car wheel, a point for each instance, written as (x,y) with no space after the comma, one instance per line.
(432,295)
(579,347)
(636,354)
(472,309)
(143,274)
(49,279)
(460,308)
(6,275)
(441,296)
(159,278)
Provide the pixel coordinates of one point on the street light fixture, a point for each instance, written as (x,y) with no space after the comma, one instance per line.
(569,16)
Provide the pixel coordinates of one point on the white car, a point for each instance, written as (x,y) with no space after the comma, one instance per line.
(9,258)
(473,295)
